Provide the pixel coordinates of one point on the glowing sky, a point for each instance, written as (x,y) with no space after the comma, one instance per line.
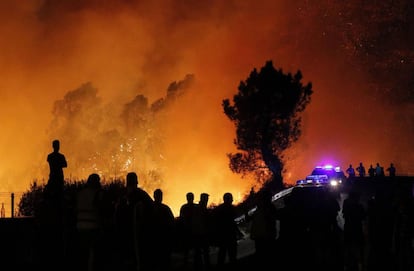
(358,58)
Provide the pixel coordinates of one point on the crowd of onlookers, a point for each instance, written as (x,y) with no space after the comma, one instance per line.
(377,171)
(91,230)
(139,232)
(131,231)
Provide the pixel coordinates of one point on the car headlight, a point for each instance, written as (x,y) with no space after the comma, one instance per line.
(334,183)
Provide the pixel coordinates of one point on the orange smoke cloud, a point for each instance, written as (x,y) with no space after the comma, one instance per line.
(126,48)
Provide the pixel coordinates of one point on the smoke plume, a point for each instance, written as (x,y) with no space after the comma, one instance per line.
(97,75)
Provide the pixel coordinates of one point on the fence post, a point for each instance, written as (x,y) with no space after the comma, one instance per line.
(12,205)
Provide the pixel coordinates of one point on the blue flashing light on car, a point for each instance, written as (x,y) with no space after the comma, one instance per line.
(324,175)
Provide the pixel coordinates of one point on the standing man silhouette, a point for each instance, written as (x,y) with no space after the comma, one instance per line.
(57,162)
(361,170)
(54,229)
(391,170)
(226,231)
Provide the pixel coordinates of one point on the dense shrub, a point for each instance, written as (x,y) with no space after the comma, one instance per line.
(32,199)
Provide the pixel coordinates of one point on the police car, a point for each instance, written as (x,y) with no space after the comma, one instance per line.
(324,175)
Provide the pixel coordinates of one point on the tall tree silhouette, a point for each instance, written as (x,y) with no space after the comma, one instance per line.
(266,112)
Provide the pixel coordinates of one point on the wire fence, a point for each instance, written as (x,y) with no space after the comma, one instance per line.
(9,204)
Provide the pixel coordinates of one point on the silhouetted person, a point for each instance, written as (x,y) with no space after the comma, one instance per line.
(361,170)
(404,231)
(201,233)
(380,224)
(379,171)
(57,162)
(350,171)
(226,231)
(334,232)
(293,228)
(89,222)
(263,230)
(354,214)
(371,171)
(391,170)
(53,207)
(324,231)
(162,227)
(187,211)
(108,244)
(133,216)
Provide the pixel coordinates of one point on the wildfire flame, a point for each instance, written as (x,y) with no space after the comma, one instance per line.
(131,51)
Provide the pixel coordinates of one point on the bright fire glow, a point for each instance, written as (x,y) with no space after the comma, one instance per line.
(126,48)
